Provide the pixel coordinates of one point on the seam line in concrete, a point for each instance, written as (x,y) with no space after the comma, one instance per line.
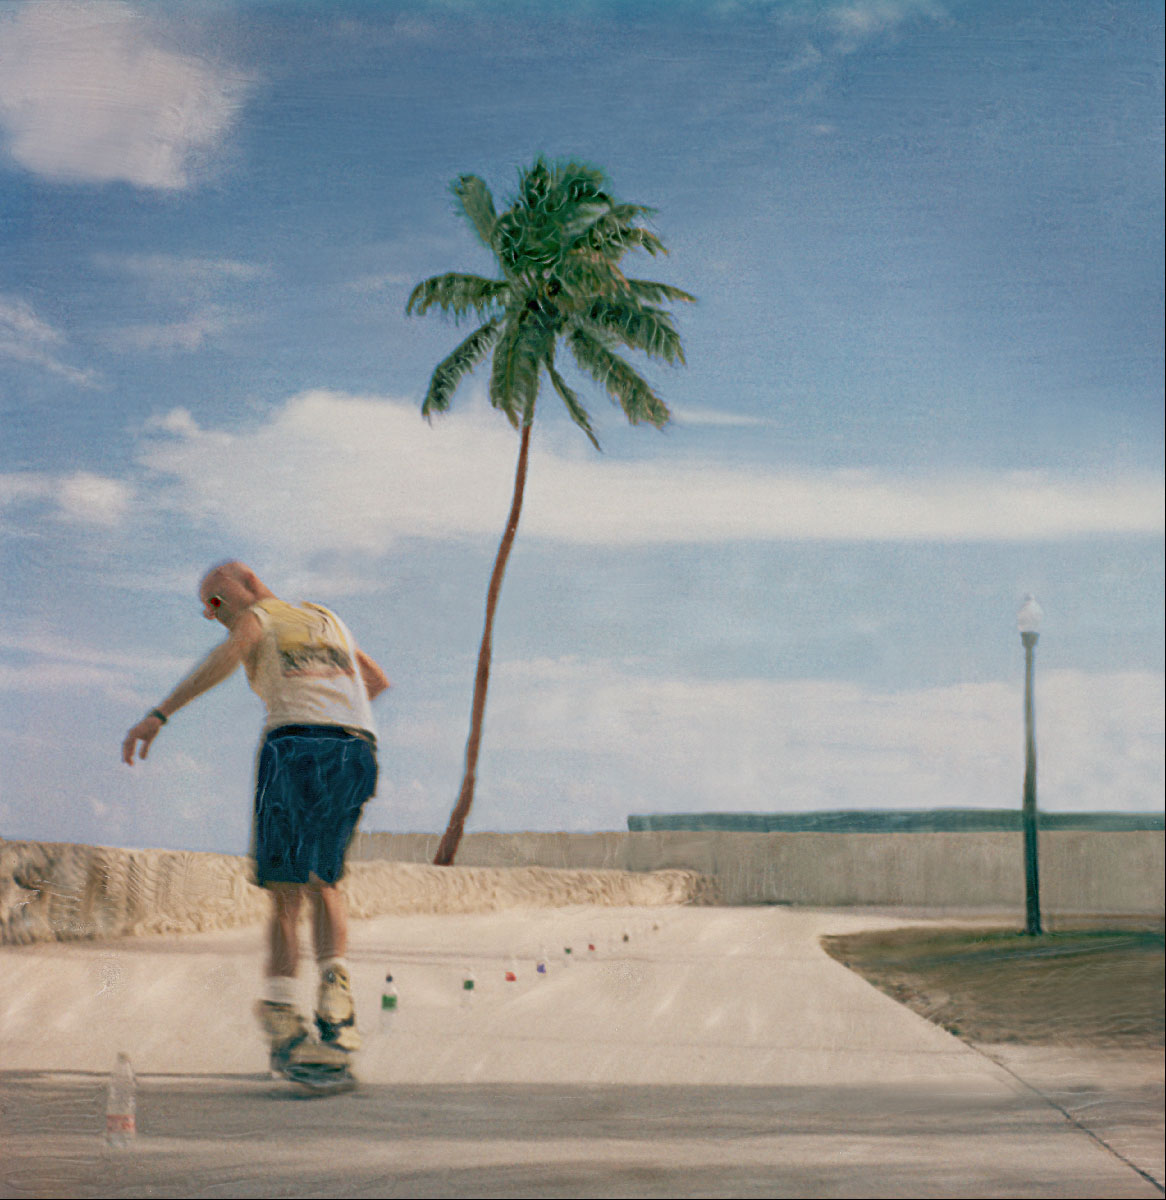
(1069,1117)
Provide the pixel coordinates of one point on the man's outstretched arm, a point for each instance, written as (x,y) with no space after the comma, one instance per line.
(217,666)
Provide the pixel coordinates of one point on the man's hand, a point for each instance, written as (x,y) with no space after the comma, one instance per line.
(145,731)
(375,680)
(213,669)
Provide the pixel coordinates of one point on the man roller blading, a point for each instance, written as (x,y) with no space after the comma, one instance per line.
(317,768)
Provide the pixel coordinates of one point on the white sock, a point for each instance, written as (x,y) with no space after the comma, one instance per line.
(336,961)
(280,989)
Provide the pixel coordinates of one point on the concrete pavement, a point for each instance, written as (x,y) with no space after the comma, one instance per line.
(715,1052)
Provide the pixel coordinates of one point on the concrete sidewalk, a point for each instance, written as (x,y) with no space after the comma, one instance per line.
(715,1052)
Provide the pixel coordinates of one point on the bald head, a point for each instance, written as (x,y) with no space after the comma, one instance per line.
(228,590)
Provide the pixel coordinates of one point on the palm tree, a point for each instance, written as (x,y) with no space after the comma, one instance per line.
(558,248)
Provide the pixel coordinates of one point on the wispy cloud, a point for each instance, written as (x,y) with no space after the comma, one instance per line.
(680,744)
(841,27)
(180,274)
(80,497)
(53,665)
(43,644)
(369,284)
(192,286)
(856,21)
(27,338)
(93,93)
(714,417)
(185,334)
(331,471)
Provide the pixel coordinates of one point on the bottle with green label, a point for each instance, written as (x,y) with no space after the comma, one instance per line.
(389,1001)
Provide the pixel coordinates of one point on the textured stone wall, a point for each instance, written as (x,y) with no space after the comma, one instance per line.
(58,891)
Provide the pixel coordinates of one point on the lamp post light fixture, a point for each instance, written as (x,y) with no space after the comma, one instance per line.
(1028,622)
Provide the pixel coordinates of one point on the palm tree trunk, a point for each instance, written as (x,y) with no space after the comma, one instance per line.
(457,819)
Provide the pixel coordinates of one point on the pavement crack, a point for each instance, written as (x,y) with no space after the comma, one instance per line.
(1070,1117)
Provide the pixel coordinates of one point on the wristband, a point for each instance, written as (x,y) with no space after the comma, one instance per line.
(157,712)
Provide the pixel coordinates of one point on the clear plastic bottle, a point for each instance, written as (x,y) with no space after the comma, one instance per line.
(512,970)
(468,984)
(121,1104)
(540,965)
(389,1001)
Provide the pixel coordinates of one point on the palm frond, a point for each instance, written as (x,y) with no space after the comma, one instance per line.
(476,202)
(585,275)
(623,383)
(613,234)
(606,220)
(639,238)
(582,184)
(449,372)
(515,369)
(655,293)
(457,293)
(638,326)
(577,411)
(536,184)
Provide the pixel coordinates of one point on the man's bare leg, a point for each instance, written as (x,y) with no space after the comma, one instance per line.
(284,955)
(329,922)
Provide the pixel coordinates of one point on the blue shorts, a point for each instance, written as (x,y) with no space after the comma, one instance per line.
(311,784)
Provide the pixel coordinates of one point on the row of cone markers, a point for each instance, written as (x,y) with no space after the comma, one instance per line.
(121,1095)
(390,998)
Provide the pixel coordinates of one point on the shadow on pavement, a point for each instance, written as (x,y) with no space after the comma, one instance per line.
(242,1135)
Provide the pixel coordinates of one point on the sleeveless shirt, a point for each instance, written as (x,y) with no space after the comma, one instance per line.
(305,668)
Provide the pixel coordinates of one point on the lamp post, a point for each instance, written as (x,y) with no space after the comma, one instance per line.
(1028,622)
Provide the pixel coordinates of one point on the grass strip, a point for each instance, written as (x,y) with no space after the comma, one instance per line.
(1076,987)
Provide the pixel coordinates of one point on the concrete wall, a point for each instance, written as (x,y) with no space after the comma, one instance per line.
(1081,871)
(61,892)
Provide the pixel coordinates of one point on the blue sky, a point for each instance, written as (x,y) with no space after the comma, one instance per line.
(924,378)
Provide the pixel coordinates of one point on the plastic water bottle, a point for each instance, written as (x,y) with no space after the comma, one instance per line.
(468,983)
(121,1104)
(540,966)
(512,970)
(566,956)
(388,1004)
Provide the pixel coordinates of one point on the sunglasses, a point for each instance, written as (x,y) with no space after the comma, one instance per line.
(214,601)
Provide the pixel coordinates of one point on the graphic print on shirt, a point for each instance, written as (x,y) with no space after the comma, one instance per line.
(310,645)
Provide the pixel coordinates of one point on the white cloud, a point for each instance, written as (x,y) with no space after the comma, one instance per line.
(35,660)
(68,677)
(93,499)
(46,646)
(841,27)
(176,270)
(89,92)
(713,417)
(26,337)
(188,333)
(368,284)
(753,744)
(328,471)
(859,20)
(177,421)
(80,497)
